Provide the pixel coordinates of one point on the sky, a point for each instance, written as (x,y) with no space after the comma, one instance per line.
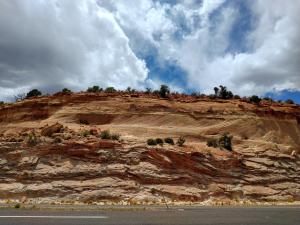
(250,46)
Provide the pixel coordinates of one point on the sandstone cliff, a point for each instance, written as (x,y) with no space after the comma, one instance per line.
(46,157)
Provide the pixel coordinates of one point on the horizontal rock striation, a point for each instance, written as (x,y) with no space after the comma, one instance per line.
(62,164)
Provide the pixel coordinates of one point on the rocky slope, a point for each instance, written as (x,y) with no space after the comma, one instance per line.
(50,150)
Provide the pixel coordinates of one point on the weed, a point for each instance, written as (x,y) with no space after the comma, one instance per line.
(105,134)
(85,133)
(159,141)
(115,137)
(180,141)
(169,141)
(32,139)
(151,142)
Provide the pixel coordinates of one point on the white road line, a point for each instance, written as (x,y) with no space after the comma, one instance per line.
(58,217)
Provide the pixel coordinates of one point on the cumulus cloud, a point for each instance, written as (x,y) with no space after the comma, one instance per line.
(197,35)
(272,61)
(251,46)
(275,60)
(63,43)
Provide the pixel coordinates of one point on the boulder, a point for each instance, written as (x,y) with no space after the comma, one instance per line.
(49,130)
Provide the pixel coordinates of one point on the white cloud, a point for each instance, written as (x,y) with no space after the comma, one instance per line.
(208,6)
(271,62)
(79,43)
(274,60)
(57,43)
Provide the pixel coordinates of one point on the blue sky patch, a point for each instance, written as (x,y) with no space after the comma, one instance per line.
(242,26)
(284,95)
(167,72)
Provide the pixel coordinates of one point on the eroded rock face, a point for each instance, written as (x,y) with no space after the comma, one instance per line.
(100,172)
(263,166)
(52,129)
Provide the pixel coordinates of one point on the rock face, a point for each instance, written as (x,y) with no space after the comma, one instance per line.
(50,130)
(80,167)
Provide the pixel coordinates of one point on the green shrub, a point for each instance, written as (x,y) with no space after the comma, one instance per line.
(156,92)
(255,99)
(17,206)
(151,142)
(33,93)
(32,139)
(110,90)
(148,91)
(169,141)
(222,92)
(159,141)
(1,103)
(164,91)
(225,141)
(180,141)
(213,142)
(130,90)
(152,190)
(94,89)
(115,137)
(66,91)
(105,134)
(85,133)
(222,142)
(289,101)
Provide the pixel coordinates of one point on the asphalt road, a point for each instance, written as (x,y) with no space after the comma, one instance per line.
(186,216)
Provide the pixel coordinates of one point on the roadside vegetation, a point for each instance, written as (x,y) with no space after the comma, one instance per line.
(222,92)
(110,90)
(106,135)
(159,141)
(85,133)
(180,141)
(255,99)
(31,139)
(289,101)
(164,92)
(33,93)
(222,142)
(169,141)
(151,142)
(94,89)
(66,91)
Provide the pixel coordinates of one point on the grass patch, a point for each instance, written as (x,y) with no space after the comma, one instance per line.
(151,142)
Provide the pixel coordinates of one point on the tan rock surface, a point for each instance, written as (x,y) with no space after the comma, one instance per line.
(71,167)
